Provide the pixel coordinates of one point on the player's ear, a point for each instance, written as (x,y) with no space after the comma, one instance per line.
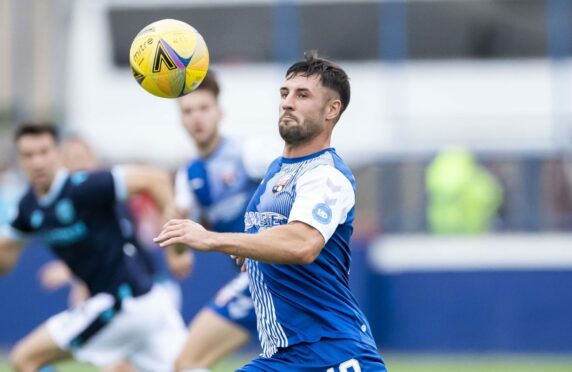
(333,109)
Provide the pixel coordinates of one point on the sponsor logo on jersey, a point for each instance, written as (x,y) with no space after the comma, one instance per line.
(263,220)
(65,212)
(66,235)
(322,213)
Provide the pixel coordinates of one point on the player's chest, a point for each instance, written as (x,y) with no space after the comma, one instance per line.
(59,224)
(221,180)
(277,193)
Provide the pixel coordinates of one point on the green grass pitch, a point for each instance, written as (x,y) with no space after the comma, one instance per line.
(412,363)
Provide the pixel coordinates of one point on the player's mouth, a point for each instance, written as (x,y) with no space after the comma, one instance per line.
(288,117)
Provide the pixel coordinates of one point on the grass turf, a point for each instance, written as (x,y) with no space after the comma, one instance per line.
(411,363)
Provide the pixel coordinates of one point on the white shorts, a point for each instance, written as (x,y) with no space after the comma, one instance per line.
(148,331)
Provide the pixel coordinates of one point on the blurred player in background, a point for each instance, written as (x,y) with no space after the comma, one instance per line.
(77,155)
(298,227)
(125,318)
(215,189)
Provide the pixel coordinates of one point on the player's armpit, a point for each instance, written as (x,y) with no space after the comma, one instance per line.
(10,251)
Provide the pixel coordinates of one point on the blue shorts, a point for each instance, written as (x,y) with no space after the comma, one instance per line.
(326,355)
(233,302)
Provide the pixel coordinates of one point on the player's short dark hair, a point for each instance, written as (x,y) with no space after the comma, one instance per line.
(331,75)
(210,84)
(36,129)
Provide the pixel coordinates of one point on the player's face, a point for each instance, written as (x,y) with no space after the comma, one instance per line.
(76,155)
(39,158)
(201,115)
(303,102)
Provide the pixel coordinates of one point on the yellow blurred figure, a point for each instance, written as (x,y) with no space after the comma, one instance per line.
(463,196)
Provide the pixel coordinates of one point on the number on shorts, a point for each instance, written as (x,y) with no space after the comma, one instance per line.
(347,365)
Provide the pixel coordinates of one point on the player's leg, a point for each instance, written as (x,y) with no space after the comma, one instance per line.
(227,323)
(36,350)
(210,338)
(163,332)
(119,367)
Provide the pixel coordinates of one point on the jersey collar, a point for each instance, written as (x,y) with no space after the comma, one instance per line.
(55,189)
(306,157)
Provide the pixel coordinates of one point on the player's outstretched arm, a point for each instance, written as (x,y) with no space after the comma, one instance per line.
(10,251)
(154,181)
(293,243)
(157,183)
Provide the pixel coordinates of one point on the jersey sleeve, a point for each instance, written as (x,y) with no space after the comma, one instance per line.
(324,197)
(100,187)
(18,229)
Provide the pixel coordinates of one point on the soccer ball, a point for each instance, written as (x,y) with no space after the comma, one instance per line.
(169,58)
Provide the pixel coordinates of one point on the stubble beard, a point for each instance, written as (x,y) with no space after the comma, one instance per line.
(299,133)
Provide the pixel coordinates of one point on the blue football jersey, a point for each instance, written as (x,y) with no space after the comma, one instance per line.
(80,219)
(305,303)
(219,186)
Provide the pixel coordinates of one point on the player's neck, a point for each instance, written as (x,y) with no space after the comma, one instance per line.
(44,189)
(299,150)
(208,148)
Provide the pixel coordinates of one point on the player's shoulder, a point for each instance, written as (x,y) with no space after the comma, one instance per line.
(329,165)
(327,176)
(78,179)
(27,200)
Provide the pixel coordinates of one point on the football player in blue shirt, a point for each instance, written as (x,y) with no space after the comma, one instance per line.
(298,227)
(75,214)
(215,188)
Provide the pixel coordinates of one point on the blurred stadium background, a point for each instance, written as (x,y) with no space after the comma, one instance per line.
(459,133)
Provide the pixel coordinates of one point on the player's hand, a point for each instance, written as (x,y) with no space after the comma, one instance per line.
(184,232)
(79,293)
(55,274)
(240,261)
(180,262)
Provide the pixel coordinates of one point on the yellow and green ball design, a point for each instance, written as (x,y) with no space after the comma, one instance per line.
(169,58)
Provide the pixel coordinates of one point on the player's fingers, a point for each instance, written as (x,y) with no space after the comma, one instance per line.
(171,241)
(164,235)
(169,229)
(173,222)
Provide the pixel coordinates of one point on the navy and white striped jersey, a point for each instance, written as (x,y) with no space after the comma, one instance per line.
(80,220)
(305,303)
(218,186)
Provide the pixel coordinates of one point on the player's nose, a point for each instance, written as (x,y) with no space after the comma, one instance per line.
(287,103)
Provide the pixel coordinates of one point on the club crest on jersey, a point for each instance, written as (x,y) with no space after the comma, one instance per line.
(228,177)
(36,219)
(65,212)
(281,183)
